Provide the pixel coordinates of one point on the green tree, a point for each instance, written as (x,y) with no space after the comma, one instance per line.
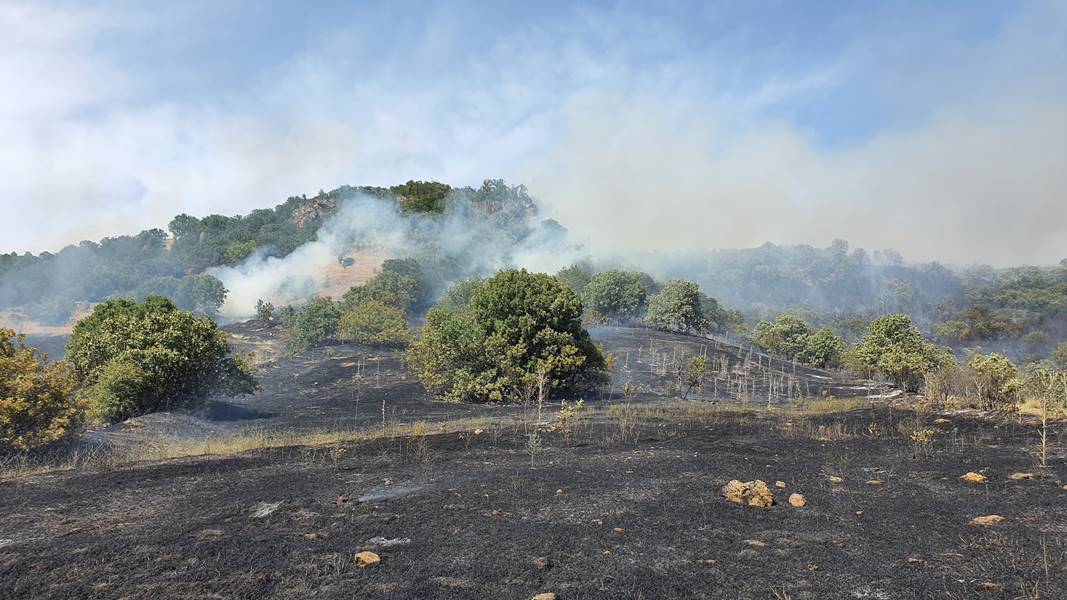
(400,284)
(422,196)
(822,349)
(615,295)
(134,358)
(314,324)
(895,347)
(203,294)
(374,322)
(519,330)
(996,380)
(576,276)
(37,399)
(678,306)
(786,336)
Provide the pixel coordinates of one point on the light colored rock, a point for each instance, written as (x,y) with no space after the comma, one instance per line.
(366,559)
(545,596)
(987,520)
(797,501)
(875,482)
(264,509)
(748,493)
(1020,476)
(754,543)
(836,479)
(974,477)
(779,484)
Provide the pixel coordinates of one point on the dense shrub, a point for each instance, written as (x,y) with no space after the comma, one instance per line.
(790,337)
(576,276)
(519,330)
(786,336)
(400,284)
(37,400)
(374,322)
(313,324)
(895,347)
(134,358)
(678,306)
(996,381)
(822,349)
(615,295)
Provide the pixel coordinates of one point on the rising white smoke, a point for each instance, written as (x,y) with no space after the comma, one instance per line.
(475,243)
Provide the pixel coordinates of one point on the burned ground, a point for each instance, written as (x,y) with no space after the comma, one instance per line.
(345,385)
(622,503)
(621,500)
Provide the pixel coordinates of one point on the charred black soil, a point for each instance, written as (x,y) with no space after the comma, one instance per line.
(622,502)
(351,386)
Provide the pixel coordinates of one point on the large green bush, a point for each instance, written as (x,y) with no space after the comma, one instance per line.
(790,337)
(786,336)
(400,283)
(996,381)
(895,347)
(678,306)
(519,331)
(615,296)
(374,322)
(314,324)
(135,358)
(37,400)
(822,349)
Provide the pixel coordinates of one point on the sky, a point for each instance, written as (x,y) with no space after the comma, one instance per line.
(935,128)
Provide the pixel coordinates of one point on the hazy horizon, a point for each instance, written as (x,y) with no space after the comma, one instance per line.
(937,130)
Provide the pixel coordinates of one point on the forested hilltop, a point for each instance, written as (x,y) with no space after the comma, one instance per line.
(1018,311)
(47,287)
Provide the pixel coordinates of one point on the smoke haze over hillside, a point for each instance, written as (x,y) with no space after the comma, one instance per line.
(458,244)
(939,131)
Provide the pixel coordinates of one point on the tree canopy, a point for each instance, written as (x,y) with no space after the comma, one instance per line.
(135,358)
(615,295)
(518,330)
(678,306)
(895,347)
(37,399)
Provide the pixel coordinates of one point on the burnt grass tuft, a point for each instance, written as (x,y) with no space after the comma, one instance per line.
(624,504)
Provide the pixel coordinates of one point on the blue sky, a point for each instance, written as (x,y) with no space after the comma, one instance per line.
(937,128)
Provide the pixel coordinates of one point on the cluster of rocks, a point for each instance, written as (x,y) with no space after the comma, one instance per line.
(758,494)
